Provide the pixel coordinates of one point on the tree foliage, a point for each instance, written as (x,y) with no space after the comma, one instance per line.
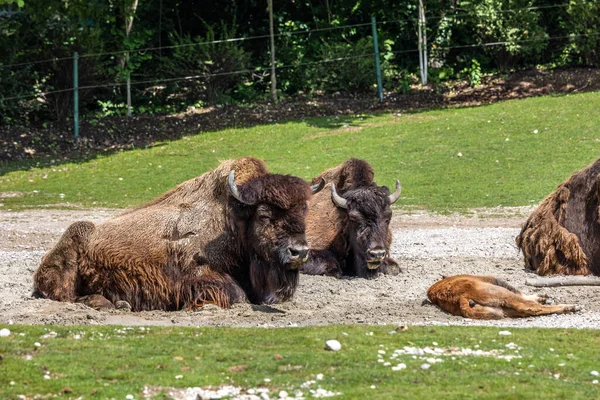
(309,34)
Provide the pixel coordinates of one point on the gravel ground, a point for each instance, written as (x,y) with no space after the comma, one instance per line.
(427,247)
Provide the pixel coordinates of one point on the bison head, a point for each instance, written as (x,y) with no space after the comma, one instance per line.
(369,212)
(272,211)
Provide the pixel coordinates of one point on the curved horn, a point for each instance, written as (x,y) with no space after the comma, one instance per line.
(234,189)
(318,186)
(337,199)
(394,196)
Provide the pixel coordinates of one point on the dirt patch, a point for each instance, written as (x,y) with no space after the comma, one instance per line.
(121,133)
(427,246)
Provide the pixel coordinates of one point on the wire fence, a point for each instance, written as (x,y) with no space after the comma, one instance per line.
(278,35)
(265,70)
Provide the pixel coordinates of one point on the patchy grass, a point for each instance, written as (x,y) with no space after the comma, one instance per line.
(107,362)
(512,154)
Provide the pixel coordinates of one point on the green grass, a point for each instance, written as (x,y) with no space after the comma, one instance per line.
(111,362)
(503,161)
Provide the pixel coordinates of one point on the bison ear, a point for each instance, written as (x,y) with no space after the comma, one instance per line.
(318,186)
(233,189)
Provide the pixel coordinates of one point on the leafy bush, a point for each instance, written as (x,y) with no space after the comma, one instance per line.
(508,22)
(353,70)
(582,21)
(217,68)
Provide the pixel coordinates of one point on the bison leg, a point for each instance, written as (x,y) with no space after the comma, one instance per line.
(389,266)
(322,262)
(96,301)
(212,288)
(473,310)
(521,307)
(57,276)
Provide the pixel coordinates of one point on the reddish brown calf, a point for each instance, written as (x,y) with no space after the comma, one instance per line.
(485,297)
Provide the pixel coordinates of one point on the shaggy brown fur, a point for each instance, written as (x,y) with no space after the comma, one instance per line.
(485,297)
(343,241)
(193,245)
(562,236)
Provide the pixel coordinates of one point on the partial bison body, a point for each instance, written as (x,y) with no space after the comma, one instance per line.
(233,234)
(562,236)
(348,223)
(485,297)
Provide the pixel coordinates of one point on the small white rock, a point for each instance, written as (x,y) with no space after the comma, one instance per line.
(4,332)
(129,397)
(425,366)
(319,377)
(535,131)
(178,376)
(595,381)
(333,345)
(37,344)
(594,373)
(267,380)
(283,394)
(10,322)
(399,367)
(459,155)
(504,333)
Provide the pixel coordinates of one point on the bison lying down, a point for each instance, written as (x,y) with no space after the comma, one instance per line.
(233,234)
(562,236)
(348,225)
(485,297)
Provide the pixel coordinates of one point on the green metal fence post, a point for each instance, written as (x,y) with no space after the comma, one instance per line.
(75,96)
(377,64)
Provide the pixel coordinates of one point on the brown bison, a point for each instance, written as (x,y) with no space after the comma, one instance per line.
(233,234)
(348,225)
(485,297)
(562,235)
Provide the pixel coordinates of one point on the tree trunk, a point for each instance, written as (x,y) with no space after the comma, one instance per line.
(130,12)
(422,44)
(272,36)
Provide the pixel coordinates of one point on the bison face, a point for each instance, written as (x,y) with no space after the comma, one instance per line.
(369,213)
(275,213)
(278,236)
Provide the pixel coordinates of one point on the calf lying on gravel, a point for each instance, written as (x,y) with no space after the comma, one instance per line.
(485,297)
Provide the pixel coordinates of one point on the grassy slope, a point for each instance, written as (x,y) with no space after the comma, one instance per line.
(503,161)
(130,359)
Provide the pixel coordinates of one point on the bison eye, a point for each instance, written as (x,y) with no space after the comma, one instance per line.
(265,218)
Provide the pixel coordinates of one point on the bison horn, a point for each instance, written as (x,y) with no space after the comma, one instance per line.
(318,186)
(394,196)
(234,189)
(337,199)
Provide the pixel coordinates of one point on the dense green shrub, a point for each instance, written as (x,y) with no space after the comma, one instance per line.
(510,24)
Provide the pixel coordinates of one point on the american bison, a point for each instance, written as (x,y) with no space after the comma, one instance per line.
(233,234)
(562,235)
(347,226)
(485,297)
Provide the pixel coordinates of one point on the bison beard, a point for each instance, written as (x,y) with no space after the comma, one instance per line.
(348,225)
(562,235)
(206,241)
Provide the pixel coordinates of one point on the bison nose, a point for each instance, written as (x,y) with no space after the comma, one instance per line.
(298,254)
(376,254)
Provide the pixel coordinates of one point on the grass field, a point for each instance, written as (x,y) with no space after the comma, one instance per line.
(112,362)
(511,154)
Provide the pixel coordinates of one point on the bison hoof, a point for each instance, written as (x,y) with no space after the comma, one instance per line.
(390,267)
(123,305)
